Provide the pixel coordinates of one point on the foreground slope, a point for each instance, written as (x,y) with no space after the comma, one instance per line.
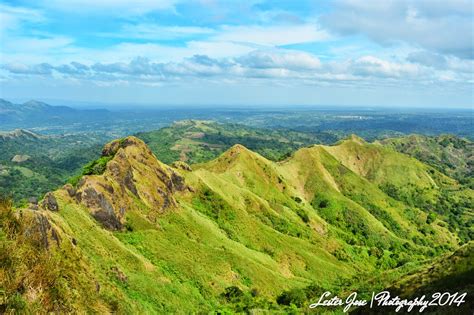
(147,236)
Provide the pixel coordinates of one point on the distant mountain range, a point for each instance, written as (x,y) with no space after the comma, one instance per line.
(34,113)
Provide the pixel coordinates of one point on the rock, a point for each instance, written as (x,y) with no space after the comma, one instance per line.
(178,182)
(132,174)
(129,183)
(103,209)
(33,200)
(41,232)
(181,166)
(70,190)
(19,158)
(50,203)
(119,274)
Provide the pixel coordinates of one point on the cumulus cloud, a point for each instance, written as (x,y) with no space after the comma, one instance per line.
(38,69)
(444,27)
(260,64)
(373,66)
(293,60)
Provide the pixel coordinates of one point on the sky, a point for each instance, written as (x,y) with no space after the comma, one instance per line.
(396,53)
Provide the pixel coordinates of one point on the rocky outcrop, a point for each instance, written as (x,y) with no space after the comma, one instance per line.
(180,165)
(39,230)
(20,158)
(133,177)
(50,203)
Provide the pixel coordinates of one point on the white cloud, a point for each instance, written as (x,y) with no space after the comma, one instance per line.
(266,65)
(373,66)
(278,35)
(442,26)
(294,60)
(119,7)
(157,32)
(12,17)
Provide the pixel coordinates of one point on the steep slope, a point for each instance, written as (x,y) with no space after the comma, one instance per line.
(410,181)
(452,273)
(380,165)
(353,204)
(449,154)
(148,236)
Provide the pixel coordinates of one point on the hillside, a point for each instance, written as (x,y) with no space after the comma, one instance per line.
(452,273)
(410,181)
(449,154)
(32,164)
(239,232)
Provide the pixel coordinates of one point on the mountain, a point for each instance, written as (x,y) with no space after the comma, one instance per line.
(238,233)
(38,114)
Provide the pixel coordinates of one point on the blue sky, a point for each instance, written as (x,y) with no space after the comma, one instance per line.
(407,53)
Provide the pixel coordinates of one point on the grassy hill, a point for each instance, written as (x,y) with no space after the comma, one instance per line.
(238,233)
(449,154)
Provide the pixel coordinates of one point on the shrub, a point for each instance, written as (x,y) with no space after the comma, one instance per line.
(232,293)
(296,297)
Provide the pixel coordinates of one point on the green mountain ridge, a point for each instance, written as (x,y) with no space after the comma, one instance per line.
(236,233)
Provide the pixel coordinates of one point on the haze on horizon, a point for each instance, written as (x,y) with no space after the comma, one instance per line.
(205,52)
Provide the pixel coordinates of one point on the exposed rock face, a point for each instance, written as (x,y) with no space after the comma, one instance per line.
(20,158)
(181,166)
(70,190)
(50,203)
(132,177)
(40,230)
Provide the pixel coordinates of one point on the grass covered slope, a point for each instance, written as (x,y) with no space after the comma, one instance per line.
(449,154)
(408,180)
(237,233)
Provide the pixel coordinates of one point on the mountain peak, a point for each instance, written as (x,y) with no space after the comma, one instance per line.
(238,148)
(238,151)
(355,138)
(131,177)
(112,147)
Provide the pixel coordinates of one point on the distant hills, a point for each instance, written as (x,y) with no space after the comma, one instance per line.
(34,113)
(238,233)
(32,164)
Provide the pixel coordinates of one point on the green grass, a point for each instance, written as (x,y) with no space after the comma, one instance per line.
(249,233)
